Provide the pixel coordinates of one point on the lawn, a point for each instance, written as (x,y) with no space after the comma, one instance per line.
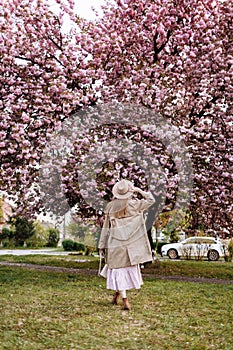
(165,267)
(53,310)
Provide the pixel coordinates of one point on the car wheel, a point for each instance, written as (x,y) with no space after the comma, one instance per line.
(172,254)
(213,255)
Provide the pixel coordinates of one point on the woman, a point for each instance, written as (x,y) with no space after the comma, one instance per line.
(124,240)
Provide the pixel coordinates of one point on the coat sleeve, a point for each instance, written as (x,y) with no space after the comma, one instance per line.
(104,233)
(142,204)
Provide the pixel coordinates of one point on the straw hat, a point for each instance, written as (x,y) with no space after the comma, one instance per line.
(123,189)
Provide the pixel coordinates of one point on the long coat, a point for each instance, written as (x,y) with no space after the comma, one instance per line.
(125,239)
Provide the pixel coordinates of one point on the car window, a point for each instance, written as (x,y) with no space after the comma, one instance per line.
(189,241)
(199,240)
(205,241)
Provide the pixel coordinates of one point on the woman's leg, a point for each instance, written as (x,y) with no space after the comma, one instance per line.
(126,304)
(116,298)
(123,294)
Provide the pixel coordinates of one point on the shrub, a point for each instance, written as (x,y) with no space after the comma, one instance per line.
(158,247)
(8,243)
(230,250)
(187,252)
(7,238)
(7,233)
(90,250)
(68,244)
(53,237)
(80,247)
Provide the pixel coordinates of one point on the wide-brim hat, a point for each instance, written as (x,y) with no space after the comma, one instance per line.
(123,189)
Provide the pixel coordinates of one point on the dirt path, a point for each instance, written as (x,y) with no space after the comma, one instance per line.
(92,272)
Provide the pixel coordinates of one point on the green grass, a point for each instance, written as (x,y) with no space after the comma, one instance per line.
(56,311)
(192,268)
(165,267)
(70,261)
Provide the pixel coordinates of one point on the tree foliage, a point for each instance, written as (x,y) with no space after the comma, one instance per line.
(173,57)
(77,231)
(40,236)
(53,237)
(176,57)
(23,229)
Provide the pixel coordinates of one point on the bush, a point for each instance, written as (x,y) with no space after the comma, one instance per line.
(80,247)
(53,237)
(8,243)
(158,247)
(7,238)
(7,233)
(68,244)
(90,250)
(230,250)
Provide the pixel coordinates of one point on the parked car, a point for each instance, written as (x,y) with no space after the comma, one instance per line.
(197,247)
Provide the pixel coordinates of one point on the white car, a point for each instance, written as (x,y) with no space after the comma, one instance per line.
(197,247)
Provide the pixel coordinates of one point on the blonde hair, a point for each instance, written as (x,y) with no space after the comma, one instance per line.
(117,208)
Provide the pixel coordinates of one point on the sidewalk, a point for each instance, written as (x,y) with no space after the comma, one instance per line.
(45,251)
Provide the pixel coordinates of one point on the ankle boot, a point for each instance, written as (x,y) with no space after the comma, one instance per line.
(126,304)
(115,298)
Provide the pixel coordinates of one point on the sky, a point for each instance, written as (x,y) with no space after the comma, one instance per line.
(84,7)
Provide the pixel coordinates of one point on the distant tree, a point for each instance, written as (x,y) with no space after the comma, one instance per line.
(40,237)
(53,237)
(24,229)
(77,231)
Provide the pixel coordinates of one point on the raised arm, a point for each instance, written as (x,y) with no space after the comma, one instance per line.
(144,203)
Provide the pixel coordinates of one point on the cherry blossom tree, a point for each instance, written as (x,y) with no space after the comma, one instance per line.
(44,79)
(176,57)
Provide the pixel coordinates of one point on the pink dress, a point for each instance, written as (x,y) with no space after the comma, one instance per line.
(124,278)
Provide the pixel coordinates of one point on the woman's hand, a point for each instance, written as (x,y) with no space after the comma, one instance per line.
(137,189)
(102,252)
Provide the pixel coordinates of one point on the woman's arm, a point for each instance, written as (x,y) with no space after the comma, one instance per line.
(145,202)
(104,233)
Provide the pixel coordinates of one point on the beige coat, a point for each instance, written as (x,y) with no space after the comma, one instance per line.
(125,239)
